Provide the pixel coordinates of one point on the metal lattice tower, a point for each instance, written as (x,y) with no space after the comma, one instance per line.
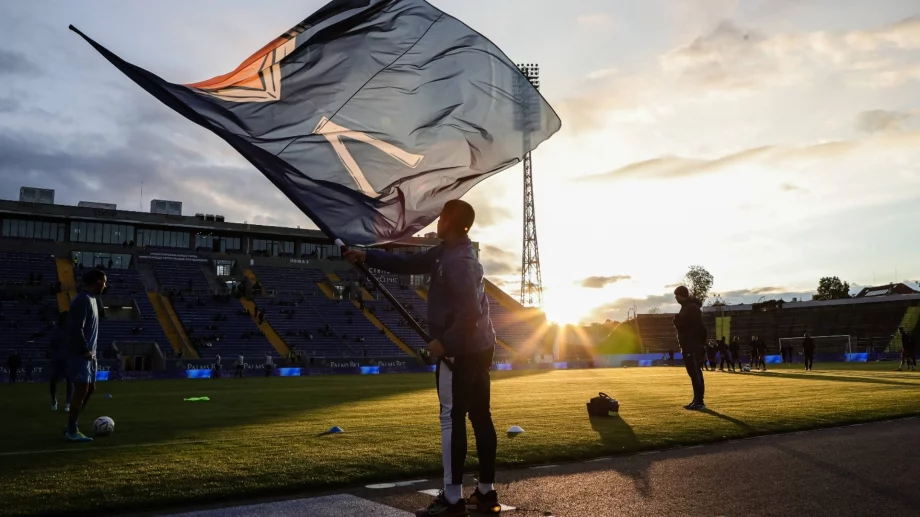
(531,278)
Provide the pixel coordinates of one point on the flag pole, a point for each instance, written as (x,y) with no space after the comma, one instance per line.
(423,353)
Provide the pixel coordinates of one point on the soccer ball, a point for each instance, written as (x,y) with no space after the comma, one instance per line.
(747,368)
(103,426)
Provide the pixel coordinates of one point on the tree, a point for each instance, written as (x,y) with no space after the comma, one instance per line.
(654,310)
(717,302)
(832,288)
(699,282)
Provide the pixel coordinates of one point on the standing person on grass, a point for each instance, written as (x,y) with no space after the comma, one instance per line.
(691,335)
(735,349)
(240,365)
(808,350)
(908,358)
(12,364)
(459,322)
(59,352)
(83,335)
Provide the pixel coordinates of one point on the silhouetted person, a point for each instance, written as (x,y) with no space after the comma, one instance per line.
(808,349)
(691,335)
(755,352)
(13,364)
(734,348)
(723,355)
(908,351)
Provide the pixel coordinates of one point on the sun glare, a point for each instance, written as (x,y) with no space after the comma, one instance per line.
(563,308)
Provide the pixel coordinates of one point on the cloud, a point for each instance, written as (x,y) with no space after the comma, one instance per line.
(670,167)
(9,105)
(173,160)
(675,166)
(487,212)
(602,73)
(16,63)
(618,309)
(789,187)
(595,20)
(733,58)
(875,121)
(498,262)
(598,282)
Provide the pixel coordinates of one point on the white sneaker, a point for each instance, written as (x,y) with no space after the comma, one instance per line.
(67,407)
(54,407)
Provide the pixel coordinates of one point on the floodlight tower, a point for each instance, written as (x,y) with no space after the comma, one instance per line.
(531,278)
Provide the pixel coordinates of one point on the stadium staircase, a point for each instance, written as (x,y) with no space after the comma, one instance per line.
(270,334)
(909,322)
(377,323)
(68,283)
(167,318)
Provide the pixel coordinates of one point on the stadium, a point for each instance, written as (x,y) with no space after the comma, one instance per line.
(185,289)
(189,363)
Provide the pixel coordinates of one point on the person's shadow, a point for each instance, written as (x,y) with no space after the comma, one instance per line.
(617,436)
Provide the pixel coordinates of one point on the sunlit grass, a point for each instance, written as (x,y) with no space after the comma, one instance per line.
(260,436)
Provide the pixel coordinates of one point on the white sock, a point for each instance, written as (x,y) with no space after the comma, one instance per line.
(485,488)
(453,493)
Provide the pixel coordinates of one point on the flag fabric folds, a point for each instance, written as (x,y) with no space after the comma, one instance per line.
(369,115)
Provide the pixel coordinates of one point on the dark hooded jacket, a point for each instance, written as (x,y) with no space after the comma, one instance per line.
(691,332)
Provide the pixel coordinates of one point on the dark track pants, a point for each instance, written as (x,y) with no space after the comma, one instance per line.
(465,390)
(692,361)
(809,360)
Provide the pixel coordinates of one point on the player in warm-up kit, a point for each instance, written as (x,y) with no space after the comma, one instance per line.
(59,352)
(81,362)
(458,317)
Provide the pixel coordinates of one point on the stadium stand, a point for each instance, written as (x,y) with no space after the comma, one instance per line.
(128,314)
(28,306)
(871,322)
(311,322)
(521,329)
(215,324)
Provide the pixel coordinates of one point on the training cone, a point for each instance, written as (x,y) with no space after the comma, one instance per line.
(335,430)
(515,430)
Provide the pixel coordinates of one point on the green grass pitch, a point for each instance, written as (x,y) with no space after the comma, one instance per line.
(264,436)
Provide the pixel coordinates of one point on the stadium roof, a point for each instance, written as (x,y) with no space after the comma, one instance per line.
(47,211)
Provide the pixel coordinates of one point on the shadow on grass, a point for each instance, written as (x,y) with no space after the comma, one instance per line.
(617,435)
(834,378)
(735,421)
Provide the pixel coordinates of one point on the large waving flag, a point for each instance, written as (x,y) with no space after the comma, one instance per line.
(369,115)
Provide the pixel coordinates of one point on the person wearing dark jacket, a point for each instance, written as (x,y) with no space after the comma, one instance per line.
(808,350)
(691,335)
(723,356)
(762,353)
(461,331)
(59,353)
(735,349)
(711,351)
(908,355)
(13,364)
(755,352)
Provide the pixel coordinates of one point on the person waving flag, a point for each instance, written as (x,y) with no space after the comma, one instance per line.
(369,115)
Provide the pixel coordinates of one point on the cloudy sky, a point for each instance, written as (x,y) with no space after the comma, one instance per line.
(771,141)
